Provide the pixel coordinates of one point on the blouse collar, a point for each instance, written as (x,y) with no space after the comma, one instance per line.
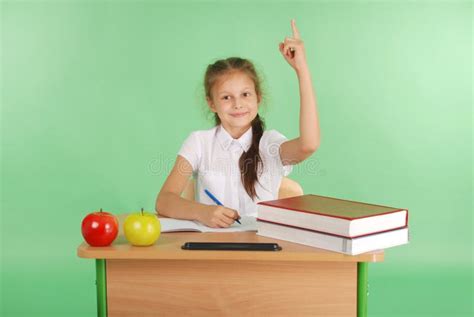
(226,139)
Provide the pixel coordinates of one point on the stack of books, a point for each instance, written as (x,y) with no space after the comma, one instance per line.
(338,225)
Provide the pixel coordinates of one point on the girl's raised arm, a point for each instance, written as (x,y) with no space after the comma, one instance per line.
(298,149)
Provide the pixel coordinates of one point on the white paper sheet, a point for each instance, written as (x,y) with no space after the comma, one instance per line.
(174,225)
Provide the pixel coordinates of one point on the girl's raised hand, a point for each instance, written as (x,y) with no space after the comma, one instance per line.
(292,49)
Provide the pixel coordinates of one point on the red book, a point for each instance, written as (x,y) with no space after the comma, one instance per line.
(339,217)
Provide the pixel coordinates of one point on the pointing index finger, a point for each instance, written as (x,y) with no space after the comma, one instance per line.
(296,34)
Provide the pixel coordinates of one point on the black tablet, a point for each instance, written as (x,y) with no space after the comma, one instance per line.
(233,246)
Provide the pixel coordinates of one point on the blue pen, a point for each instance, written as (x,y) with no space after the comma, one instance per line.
(216,200)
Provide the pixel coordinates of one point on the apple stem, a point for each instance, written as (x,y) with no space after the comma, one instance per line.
(100,209)
(142,211)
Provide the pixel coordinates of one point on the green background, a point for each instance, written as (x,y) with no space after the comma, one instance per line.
(97,98)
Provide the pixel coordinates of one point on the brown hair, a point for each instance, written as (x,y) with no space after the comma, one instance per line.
(250,160)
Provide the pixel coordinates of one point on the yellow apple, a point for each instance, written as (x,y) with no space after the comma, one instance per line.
(142,228)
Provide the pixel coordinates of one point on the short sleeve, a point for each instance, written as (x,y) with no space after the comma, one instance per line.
(270,148)
(191,150)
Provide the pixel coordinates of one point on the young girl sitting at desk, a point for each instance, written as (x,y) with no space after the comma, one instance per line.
(237,161)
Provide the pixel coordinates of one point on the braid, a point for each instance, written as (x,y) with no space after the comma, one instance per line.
(250,160)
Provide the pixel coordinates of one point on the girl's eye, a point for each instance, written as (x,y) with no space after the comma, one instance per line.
(245,93)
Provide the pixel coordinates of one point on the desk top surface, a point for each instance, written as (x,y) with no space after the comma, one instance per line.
(168,247)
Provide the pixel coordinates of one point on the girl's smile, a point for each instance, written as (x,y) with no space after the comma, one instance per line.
(240,114)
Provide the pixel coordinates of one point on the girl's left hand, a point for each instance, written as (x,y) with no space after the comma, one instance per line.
(293,51)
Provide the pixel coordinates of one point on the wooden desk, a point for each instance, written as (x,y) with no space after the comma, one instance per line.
(164,280)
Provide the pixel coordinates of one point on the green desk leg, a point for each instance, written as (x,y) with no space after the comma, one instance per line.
(101,282)
(362,288)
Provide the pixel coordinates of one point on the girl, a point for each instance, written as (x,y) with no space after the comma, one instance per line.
(237,160)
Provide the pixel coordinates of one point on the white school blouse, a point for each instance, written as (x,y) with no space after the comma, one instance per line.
(214,156)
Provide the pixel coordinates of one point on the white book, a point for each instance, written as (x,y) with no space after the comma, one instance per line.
(176,225)
(334,243)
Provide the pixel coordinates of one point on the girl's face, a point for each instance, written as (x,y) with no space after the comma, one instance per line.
(235,101)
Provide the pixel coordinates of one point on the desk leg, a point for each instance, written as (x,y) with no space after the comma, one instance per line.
(101,282)
(362,288)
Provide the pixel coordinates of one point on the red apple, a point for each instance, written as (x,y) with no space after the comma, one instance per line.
(100,229)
